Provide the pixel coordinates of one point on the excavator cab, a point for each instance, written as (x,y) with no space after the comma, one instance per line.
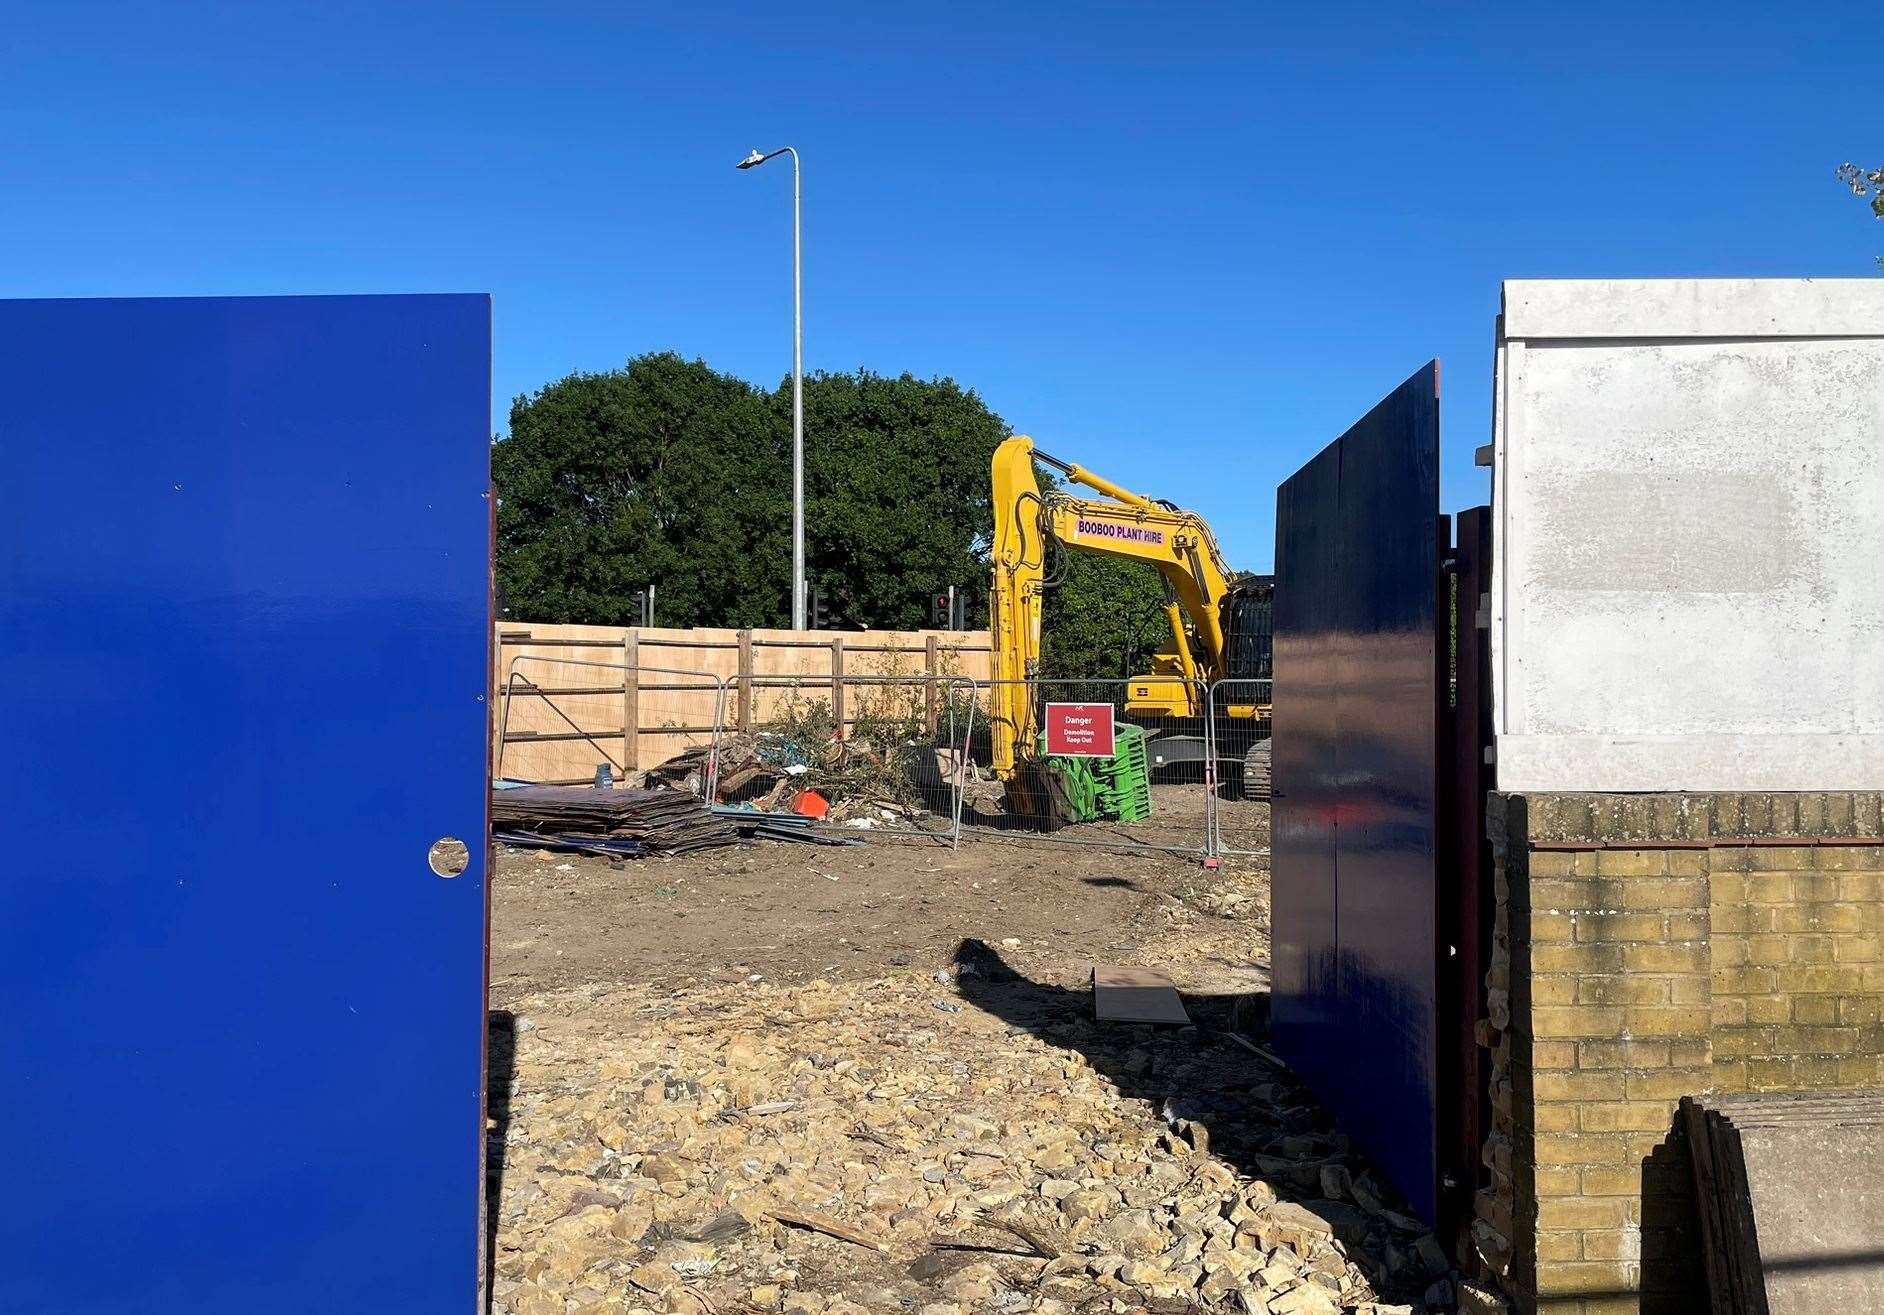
(1249,653)
(1249,629)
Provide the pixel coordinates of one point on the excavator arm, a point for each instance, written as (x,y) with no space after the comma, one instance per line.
(1122,524)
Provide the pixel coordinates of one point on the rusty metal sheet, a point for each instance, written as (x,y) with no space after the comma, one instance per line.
(1464,893)
(1356,736)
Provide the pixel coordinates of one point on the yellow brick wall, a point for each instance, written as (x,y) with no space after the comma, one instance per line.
(1798,968)
(1646,948)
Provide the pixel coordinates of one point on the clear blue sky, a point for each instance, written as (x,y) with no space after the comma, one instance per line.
(1184,244)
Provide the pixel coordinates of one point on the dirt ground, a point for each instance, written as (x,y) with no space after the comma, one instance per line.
(836,1081)
(790,913)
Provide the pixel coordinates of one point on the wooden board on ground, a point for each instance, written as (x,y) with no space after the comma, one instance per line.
(1135,995)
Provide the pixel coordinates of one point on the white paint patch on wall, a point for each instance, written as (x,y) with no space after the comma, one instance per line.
(1688,586)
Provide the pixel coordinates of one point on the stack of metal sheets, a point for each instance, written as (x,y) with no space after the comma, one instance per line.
(608,821)
(796,828)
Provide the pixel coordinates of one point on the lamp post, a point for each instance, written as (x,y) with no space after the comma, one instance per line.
(798,393)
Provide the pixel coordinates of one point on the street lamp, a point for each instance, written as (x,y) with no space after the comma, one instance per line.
(798,393)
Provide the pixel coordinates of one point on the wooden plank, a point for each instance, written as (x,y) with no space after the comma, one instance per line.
(1135,995)
(837,684)
(931,663)
(744,713)
(631,701)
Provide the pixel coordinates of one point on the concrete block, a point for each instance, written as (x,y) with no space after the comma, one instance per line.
(1689,491)
(1797,1200)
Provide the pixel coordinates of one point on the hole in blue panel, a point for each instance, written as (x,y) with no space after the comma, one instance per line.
(448,856)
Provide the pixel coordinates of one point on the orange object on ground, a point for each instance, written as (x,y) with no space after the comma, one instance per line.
(811,804)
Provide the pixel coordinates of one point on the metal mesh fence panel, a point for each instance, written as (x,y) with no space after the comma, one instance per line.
(1239,800)
(1149,793)
(856,754)
(916,755)
(573,721)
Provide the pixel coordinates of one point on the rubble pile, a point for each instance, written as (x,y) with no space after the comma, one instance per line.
(947,1144)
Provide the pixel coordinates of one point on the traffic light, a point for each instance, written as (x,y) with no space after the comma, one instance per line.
(820,610)
(939,612)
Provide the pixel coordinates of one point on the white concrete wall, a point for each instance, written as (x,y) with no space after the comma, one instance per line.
(1688,587)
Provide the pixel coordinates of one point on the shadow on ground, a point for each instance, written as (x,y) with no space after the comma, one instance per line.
(1215,1092)
(500,1065)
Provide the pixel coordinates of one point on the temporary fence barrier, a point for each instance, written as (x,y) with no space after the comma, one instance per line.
(914,755)
(1239,717)
(1149,796)
(563,712)
(884,754)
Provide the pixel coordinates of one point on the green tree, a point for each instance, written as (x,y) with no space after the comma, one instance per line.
(671,473)
(1865,184)
(665,472)
(896,493)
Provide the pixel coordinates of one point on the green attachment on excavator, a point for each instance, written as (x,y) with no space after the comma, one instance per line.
(1075,785)
(1125,777)
(1117,787)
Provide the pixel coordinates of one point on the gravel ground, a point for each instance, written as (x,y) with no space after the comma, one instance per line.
(832,1081)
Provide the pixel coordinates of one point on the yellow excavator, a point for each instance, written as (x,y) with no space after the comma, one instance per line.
(1220,625)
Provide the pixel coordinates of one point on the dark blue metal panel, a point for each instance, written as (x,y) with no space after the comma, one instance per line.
(244,639)
(1355,780)
(1305,993)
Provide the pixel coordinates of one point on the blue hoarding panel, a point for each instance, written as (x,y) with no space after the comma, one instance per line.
(244,646)
(1355,795)
(1302,845)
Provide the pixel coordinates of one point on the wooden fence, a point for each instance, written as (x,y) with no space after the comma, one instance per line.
(581,696)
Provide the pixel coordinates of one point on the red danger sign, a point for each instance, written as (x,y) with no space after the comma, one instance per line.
(1079,730)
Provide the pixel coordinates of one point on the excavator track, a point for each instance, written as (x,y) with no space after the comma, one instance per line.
(1256,770)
